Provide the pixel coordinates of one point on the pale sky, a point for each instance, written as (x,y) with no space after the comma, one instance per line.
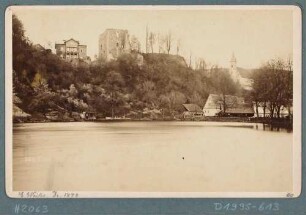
(254,36)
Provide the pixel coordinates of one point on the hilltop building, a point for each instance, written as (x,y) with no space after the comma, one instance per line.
(235,73)
(39,47)
(71,49)
(113,43)
(228,105)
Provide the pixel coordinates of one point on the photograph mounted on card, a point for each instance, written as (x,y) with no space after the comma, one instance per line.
(153,101)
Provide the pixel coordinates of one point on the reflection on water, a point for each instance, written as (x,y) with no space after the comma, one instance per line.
(151,156)
(269,127)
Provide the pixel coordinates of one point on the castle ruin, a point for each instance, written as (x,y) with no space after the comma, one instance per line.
(113,43)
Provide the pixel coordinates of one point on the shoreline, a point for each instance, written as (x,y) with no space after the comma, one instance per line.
(275,122)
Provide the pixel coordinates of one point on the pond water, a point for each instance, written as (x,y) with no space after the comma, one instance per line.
(151,156)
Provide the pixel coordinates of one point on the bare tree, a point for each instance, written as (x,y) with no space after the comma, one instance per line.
(168,41)
(178,46)
(161,43)
(200,64)
(289,64)
(289,85)
(273,86)
(152,40)
(147,39)
(190,61)
(135,44)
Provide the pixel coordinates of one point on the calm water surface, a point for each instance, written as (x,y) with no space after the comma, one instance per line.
(151,156)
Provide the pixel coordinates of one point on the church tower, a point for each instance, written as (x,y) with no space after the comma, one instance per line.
(233,62)
(233,69)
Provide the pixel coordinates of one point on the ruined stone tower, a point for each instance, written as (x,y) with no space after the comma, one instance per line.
(113,43)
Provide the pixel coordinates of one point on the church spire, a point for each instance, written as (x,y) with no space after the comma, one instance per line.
(233,62)
(233,59)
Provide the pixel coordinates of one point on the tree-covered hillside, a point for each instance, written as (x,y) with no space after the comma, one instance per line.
(129,86)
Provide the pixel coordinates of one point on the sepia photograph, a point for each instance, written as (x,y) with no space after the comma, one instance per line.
(153,101)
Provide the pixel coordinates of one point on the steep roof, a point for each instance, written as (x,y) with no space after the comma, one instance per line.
(234,104)
(213,101)
(71,39)
(192,107)
(65,41)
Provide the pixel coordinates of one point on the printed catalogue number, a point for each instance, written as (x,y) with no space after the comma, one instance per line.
(264,206)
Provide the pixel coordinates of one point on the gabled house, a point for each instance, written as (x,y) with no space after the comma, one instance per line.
(213,105)
(228,105)
(192,111)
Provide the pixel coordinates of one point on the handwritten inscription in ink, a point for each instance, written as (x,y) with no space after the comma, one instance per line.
(53,194)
